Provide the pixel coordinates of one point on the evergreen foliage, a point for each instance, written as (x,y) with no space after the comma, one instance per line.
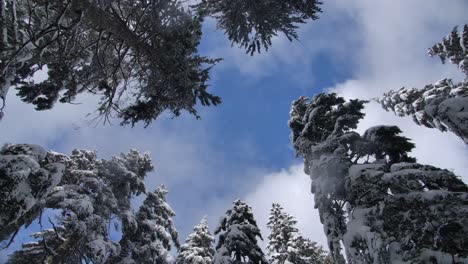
(156,233)
(87,193)
(371,196)
(253,24)
(321,133)
(238,234)
(198,248)
(140,57)
(286,245)
(28,174)
(454,48)
(443,105)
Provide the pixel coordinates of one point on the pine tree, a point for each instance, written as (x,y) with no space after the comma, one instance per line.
(321,134)
(156,233)
(306,251)
(238,234)
(286,245)
(90,193)
(282,232)
(140,57)
(198,247)
(396,209)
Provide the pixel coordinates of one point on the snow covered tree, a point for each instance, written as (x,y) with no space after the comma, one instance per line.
(238,234)
(286,245)
(88,198)
(443,105)
(198,247)
(396,209)
(307,252)
(282,232)
(454,48)
(89,194)
(321,134)
(139,56)
(152,241)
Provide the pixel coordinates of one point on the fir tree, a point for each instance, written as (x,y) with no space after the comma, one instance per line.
(282,232)
(198,247)
(90,193)
(321,134)
(396,209)
(238,234)
(156,233)
(286,245)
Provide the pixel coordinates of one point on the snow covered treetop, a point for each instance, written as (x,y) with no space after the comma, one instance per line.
(198,248)
(238,232)
(325,116)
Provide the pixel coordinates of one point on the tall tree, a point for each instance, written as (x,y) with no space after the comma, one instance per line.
(444,104)
(89,194)
(238,234)
(140,57)
(152,241)
(396,209)
(286,245)
(198,247)
(321,134)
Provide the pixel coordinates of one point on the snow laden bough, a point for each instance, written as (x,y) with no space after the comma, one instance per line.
(139,57)
(373,198)
(28,174)
(443,105)
(88,193)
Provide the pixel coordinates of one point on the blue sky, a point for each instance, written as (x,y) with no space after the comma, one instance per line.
(241,148)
